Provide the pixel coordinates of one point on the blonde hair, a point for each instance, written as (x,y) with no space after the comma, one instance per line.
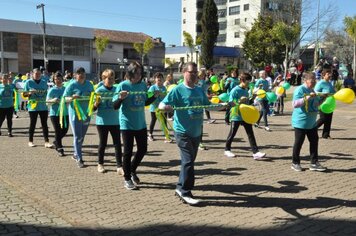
(107,73)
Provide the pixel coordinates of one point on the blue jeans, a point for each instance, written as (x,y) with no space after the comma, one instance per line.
(188,148)
(79,129)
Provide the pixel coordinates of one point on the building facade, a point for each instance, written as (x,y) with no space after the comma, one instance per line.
(68,47)
(237,16)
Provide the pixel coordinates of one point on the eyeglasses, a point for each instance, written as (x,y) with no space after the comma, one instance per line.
(192,72)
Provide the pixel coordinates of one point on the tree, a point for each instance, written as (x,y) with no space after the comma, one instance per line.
(350,28)
(338,44)
(287,35)
(188,42)
(100,45)
(169,63)
(261,45)
(210,31)
(144,48)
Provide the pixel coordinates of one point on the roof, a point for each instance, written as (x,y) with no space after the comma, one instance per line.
(219,51)
(121,36)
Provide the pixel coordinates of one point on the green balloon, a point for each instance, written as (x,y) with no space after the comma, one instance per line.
(329,105)
(214,79)
(286,85)
(150,94)
(271,97)
(251,85)
(224,97)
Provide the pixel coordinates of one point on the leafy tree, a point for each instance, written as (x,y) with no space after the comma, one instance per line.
(287,35)
(350,28)
(337,43)
(188,42)
(144,48)
(100,45)
(261,45)
(210,31)
(169,63)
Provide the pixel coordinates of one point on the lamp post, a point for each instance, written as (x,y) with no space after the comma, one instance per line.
(122,66)
(45,60)
(316,48)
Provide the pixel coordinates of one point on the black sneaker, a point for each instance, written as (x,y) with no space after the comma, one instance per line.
(60,152)
(135,179)
(10,135)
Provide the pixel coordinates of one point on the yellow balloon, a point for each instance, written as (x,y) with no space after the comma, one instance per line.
(345,95)
(261,93)
(23,97)
(249,114)
(170,87)
(24,77)
(280,91)
(215,100)
(215,87)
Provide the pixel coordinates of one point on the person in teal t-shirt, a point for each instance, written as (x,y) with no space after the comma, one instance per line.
(263,84)
(54,97)
(187,127)
(79,89)
(158,86)
(325,88)
(132,98)
(6,102)
(230,83)
(36,91)
(306,103)
(107,120)
(240,94)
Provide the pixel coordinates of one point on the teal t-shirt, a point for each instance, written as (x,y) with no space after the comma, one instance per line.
(302,118)
(233,82)
(235,94)
(132,110)
(163,93)
(39,96)
(188,121)
(7,95)
(106,114)
(54,92)
(265,87)
(82,90)
(203,84)
(324,86)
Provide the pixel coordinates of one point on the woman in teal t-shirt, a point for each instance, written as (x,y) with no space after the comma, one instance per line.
(132,99)
(54,97)
(107,120)
(6,102)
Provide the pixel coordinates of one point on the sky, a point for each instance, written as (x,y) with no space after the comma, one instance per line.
(157,18)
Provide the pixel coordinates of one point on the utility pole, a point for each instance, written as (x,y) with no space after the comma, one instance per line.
(316,48)
(45,60)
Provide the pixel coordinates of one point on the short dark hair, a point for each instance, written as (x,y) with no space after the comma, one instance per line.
(80,70)
(245,77)
(186,65)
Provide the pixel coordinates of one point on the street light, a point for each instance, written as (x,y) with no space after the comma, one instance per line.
(122,66)
(45,60)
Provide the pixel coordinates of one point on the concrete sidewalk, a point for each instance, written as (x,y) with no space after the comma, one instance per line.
(42,194)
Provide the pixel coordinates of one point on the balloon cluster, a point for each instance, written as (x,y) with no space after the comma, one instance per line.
(345,95)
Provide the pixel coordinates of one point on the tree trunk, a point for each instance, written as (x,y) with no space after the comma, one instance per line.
(286,63)
(354,65)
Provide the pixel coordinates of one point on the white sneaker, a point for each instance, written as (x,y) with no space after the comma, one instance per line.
(259,156)
(187,199)
(267,128)
(229,154)
(48,145)
(101,168)
(31,144)
(120,171)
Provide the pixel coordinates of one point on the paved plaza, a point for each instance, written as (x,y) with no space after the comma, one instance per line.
(42,194)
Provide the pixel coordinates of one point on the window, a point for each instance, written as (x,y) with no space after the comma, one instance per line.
(184,21)
(76,47)
(234,10)
(233,0)
(10,42)
(237,35)
(222,13)
(245,19)
(246,7)
(221,38)
(184,10)
(222,25)
(220,2)
(237,21)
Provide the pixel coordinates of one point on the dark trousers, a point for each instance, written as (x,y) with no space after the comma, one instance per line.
(227,115)
(59,132)
(103,131)
(33,121)
(207,113)
(128,137)
(280,104)
(249,131)
(154,119)
(299,137)
(264,106)
(6,113)
(188,149)
(325,119)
